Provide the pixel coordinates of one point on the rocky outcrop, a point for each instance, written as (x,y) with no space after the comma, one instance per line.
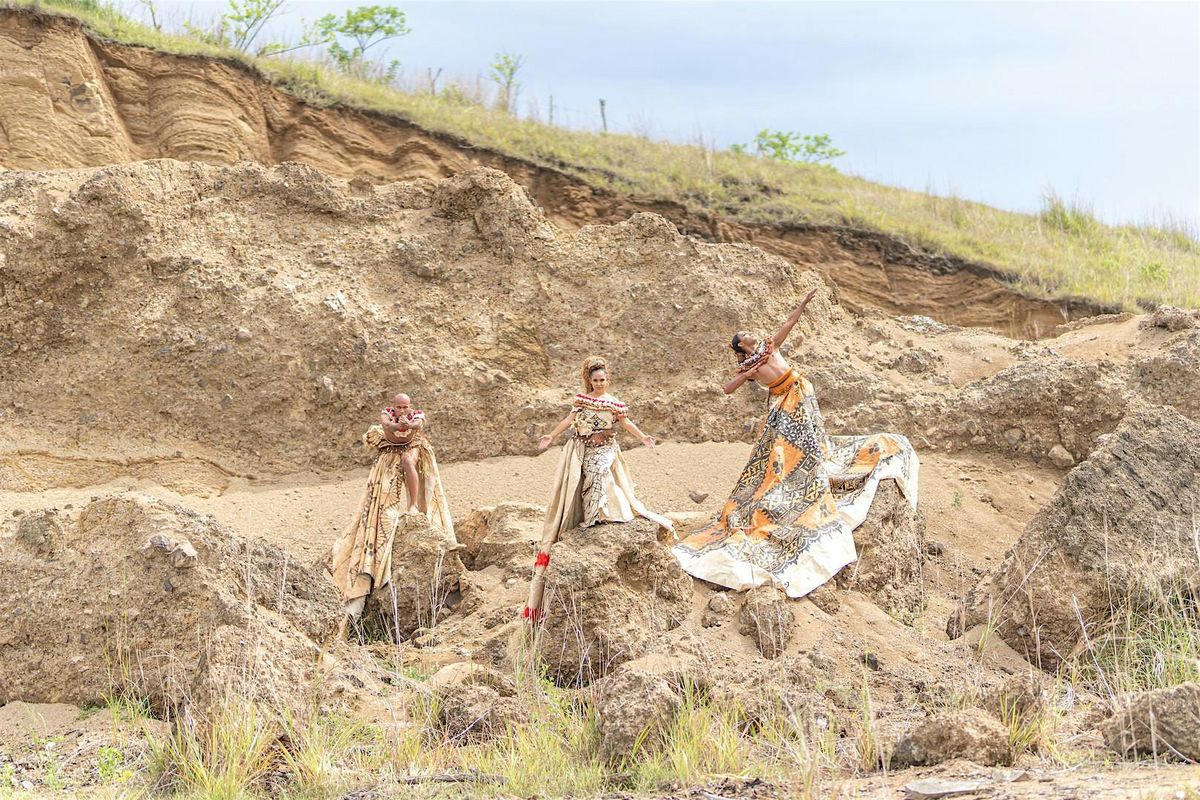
(891,552)
(142,597)
(610,594)
(1118,532)
(263,315)
(1164,723)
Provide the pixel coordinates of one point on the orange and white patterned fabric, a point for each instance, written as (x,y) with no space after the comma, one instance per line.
(790,518)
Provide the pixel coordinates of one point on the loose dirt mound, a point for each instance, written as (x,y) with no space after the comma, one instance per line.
(72,100)
(142,598)
(203,322)
(273,316)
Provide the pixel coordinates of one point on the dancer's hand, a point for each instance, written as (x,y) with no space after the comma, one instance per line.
(808,297)
(649,441)
(544,442)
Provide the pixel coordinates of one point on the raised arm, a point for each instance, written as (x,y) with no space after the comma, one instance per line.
(545,441)
(785,330)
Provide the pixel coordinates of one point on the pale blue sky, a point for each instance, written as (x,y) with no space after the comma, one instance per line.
(998,102)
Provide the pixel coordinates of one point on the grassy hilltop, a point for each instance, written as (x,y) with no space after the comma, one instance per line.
(1061,251)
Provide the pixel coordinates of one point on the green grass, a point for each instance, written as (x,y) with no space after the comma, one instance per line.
(1144,646)
(241,751)
(1062,251)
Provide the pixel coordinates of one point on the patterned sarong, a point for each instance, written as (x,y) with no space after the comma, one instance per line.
(801,494)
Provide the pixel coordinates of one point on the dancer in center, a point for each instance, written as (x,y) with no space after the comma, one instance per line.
(592,483)
(790,518)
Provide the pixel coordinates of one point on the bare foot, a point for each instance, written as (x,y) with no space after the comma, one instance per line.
(413,510)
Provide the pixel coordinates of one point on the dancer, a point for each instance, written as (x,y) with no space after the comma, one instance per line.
(592,483)
(403,480)
(802,492)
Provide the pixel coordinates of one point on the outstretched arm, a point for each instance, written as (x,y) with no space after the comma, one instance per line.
(390,425)
(785,330)
(545,441)
(628,425)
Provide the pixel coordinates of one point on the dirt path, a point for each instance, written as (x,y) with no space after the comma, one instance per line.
(974,507)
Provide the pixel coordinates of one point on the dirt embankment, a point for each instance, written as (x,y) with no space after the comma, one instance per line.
(210,321)
(69,99)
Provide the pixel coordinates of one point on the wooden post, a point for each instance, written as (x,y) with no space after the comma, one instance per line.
(603,116)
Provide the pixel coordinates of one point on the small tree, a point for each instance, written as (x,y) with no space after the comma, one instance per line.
(240,25)
(365,27)
(793,146)
(309,37)
(503,72)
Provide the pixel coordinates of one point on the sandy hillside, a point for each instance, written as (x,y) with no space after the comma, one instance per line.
(208,289)
(82,101)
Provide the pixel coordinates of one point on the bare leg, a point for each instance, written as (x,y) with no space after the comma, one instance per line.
(412,481)
(421,504)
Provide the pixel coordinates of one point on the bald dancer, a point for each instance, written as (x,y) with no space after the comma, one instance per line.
(403,481)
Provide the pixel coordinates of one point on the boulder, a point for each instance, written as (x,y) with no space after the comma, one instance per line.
(1160,723)
(473,702)
(427,581)
(611,591)
(766,616)
(969,733)
(634,709)
(1118,531)
(505,536)
(891,547)
(143,597)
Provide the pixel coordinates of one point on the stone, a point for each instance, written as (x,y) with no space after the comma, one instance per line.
(766,616)
(970,733)
(1164,723)
(634,709)
(1060,457)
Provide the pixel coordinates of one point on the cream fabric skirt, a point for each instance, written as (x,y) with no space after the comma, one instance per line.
(592,485)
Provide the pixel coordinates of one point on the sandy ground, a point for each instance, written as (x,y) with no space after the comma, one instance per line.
(975,506)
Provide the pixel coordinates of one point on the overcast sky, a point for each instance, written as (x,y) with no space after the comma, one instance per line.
(998,102)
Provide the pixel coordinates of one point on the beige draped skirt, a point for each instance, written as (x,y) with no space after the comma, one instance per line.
(361,560)
(592,485)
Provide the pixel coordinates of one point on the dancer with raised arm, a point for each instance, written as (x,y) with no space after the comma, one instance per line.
(404,480)
(592,483)
(790,518)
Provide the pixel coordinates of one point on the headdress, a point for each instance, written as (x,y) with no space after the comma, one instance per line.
(590,365)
